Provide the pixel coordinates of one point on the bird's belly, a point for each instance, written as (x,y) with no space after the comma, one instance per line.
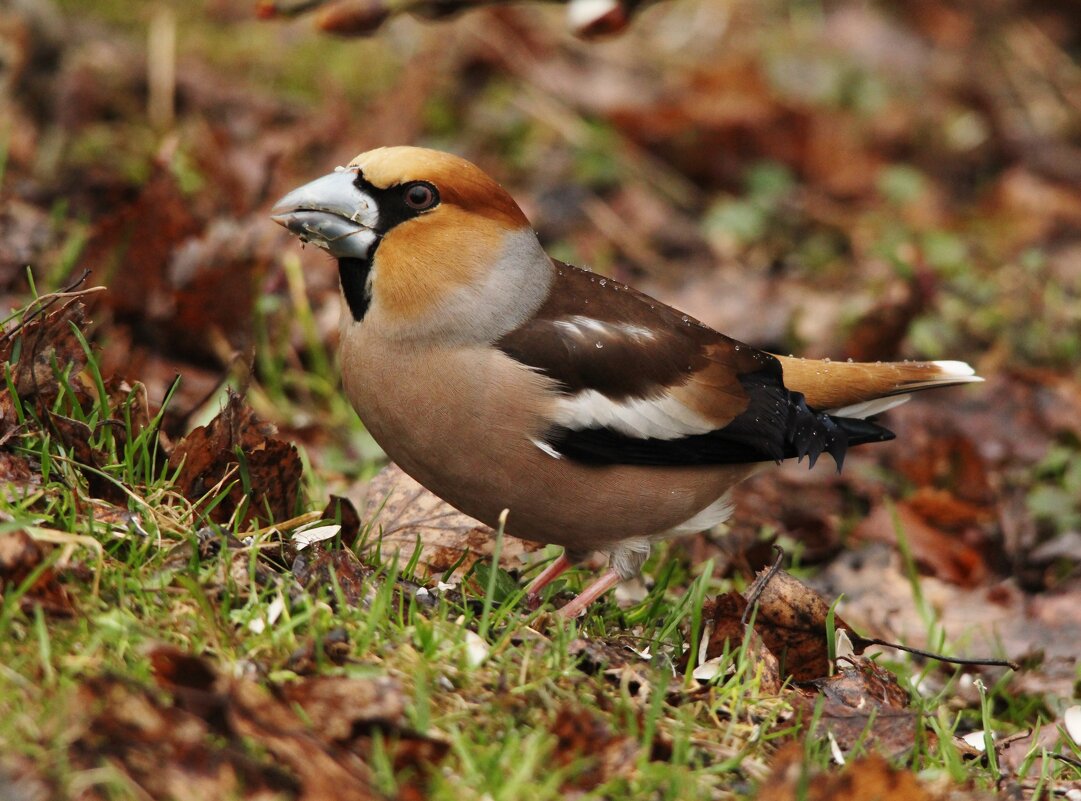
(456,422)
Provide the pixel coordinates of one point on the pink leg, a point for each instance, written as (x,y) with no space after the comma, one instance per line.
(546,577)
(591,593)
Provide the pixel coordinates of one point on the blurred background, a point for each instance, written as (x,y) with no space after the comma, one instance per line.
(844,179)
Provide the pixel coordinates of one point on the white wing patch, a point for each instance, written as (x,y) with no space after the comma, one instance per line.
(662,417)
(581,327)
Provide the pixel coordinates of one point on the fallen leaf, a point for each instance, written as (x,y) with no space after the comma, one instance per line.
(20,556)
(938,454)
(791,619)
(317,566)
(334,645)
(340,708)
(42,344)
(353,17)
(858,691)
(404,514)
(324,771)
(864,704)
(869,777)
(724,618)
(342,511)
(1000,620)
(193,283)
(15,471)
(619,663)
(89,460)
(723,625)
(581,735)
(209,457)
(322,727)
(167,751)
(935,551)
(878,333)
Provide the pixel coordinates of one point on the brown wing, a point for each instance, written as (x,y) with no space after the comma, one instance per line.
(596,333)
(645,384)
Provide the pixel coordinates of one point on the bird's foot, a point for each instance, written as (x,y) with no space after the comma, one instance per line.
(574,608)
(546,577)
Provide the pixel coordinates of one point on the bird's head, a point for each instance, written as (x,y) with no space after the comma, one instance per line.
(427,244)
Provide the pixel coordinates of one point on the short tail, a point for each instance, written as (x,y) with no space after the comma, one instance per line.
(863,389)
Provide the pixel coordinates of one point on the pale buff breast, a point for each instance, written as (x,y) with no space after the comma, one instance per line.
(464,440)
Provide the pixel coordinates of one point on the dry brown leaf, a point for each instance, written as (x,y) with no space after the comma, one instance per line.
(807,505)
(167,751)
(789,636)
(791,619)
(335,646)
(723,618)
(89,460)
(581,735)
(1030,207)
(353,17)
(45,340)
(944,509)
(878,333)
(15,471)
(122,253)
(939,553)
(865,704)
(937,454)
(316,565)
(725,614)
(337,707)
(342,510)
(618,662)
(321,728)
(208,455)
(324,772)
(19,557)
(405,513)
(1000,620)
(870,777)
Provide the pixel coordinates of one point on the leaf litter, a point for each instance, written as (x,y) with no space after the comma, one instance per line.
(671,148)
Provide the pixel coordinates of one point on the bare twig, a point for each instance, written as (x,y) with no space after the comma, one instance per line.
(760,584)
(956,660)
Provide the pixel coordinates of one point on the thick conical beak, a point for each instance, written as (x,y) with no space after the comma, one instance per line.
(331,213)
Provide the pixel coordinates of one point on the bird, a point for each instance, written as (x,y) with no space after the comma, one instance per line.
(502,379)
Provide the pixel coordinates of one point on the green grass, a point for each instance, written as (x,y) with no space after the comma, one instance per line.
(159,582)
(478,671)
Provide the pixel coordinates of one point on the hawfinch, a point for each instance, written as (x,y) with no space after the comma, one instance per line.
(500,378)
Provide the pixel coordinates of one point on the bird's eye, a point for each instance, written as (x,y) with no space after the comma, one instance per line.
(420,196)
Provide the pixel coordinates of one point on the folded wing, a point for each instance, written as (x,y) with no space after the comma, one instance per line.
(643,384)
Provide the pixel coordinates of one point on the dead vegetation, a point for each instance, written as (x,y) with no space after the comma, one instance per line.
(207,594)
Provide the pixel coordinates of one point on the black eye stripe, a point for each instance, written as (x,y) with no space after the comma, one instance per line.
(393,202)
(394,207)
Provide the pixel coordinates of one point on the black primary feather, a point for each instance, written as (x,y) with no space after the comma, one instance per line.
(777,425)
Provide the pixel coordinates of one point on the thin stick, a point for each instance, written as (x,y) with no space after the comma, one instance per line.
(760,585)
(956,660)
(45,302)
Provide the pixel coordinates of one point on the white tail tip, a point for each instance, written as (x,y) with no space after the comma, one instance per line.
(960,370)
